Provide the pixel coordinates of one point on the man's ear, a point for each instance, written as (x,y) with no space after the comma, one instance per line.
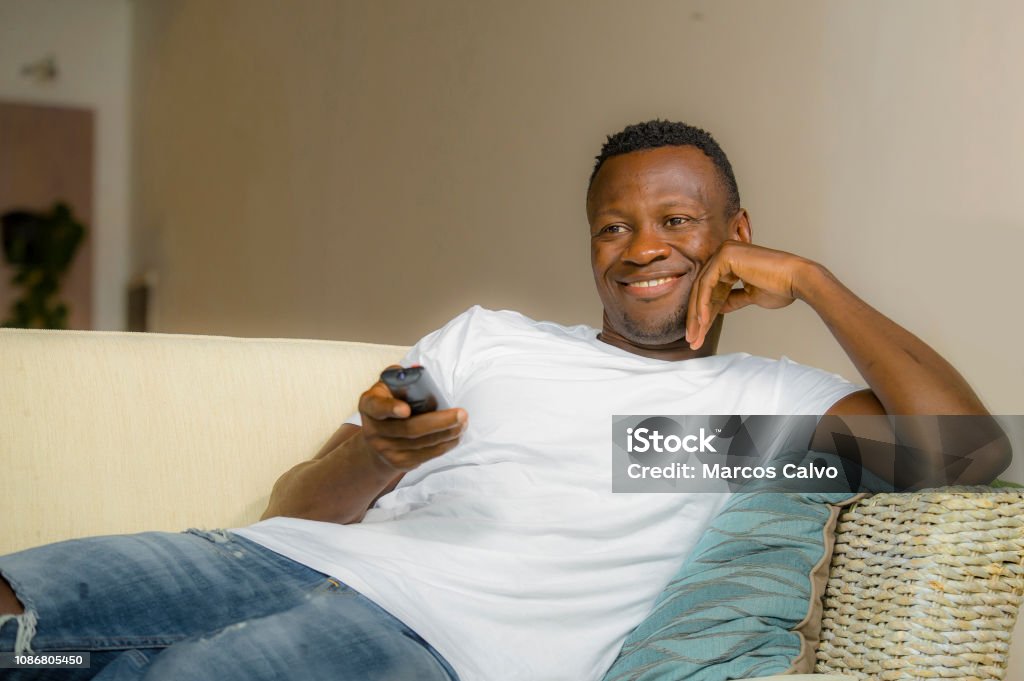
(740,227)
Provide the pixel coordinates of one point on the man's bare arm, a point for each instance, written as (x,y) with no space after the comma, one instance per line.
(906,376)
(359,464)
(338,485)
(905,373)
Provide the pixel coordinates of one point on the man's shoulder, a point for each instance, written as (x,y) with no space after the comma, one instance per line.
(782,367)
(746,359)
(485,320)
(733,361)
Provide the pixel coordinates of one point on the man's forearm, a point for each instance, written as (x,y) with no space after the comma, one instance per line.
(909,379)
(337,487)
(906,375)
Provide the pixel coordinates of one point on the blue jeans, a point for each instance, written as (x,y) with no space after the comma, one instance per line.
(201,605)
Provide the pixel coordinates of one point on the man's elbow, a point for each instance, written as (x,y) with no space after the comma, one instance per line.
(1005,457)
(982,463)
(954,450)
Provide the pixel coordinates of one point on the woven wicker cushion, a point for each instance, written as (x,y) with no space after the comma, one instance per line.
(747,601)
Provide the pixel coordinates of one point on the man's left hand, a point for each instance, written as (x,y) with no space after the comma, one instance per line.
(769,278)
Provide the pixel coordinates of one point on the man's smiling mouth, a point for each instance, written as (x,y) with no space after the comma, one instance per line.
(650,287)
(651,282)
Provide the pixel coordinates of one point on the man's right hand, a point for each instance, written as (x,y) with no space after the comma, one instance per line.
(400,440)
(358,465)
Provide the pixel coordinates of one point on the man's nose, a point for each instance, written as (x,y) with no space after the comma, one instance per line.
(646,246)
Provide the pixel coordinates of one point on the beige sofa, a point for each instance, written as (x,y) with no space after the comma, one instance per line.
(111,432)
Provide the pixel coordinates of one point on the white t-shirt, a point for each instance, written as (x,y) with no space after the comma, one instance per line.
(510,554)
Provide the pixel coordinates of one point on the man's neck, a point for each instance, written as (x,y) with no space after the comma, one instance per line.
(674,351)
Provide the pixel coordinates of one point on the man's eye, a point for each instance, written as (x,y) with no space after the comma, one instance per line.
(612,229)
(677,221)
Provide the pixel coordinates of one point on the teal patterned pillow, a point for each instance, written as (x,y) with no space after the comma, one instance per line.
(747,601)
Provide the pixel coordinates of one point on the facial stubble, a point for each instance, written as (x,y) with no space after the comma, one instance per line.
(656,331)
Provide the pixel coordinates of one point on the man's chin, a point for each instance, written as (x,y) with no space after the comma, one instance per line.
(654,332)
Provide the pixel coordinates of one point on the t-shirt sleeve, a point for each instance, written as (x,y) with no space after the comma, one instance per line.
(439,353)
(802,395)
(804,390)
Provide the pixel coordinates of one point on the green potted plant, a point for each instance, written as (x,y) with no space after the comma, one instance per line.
(40,247)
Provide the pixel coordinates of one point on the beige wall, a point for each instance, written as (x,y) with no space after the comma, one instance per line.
(367,170)
(91,41)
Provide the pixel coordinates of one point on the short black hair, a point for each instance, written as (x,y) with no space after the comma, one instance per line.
(658,133)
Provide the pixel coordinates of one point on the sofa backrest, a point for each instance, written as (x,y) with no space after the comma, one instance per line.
(112,432)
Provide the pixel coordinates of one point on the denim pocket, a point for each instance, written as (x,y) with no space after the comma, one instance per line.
(270,565)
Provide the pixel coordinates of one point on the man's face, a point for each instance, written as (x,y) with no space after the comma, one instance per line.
(656,216)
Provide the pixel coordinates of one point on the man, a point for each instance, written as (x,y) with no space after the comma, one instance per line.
(482,541)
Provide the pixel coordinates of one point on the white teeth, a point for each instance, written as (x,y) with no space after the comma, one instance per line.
(651,282)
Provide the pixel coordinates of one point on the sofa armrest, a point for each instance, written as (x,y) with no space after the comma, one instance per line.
(925,584)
